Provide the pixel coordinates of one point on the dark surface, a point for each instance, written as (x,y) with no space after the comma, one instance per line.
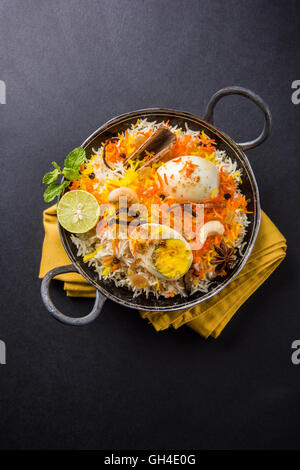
(69,66)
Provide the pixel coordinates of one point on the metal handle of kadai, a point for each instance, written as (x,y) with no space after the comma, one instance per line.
(236,90)
(45,292)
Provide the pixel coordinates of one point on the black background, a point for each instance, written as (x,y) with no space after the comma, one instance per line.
(69,66)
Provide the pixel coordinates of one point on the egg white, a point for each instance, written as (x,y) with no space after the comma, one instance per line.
(195,188)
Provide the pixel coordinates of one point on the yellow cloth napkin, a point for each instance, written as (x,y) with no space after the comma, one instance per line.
(209,317)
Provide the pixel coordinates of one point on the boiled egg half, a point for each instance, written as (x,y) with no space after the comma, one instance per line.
(189,178)
(164,252)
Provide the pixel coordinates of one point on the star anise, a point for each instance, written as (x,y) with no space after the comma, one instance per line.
(224,259)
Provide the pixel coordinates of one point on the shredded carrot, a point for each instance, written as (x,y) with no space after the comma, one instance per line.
(188,168)
(74,185)
(171,294)
(115,266)
(160,181)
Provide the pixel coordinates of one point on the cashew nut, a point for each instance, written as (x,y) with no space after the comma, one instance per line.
(213,227)
(139,281)
(131,195)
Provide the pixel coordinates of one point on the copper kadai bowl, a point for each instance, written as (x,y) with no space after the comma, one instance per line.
(106,289)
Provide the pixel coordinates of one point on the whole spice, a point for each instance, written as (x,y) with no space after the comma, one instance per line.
(224,259)
(92,176)
(155,147)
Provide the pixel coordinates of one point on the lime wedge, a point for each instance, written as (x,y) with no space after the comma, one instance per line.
(78,211)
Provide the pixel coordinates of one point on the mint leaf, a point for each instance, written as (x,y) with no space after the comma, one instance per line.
(75,159)
(50,177)
(54,189)
(71,173)
(56,166)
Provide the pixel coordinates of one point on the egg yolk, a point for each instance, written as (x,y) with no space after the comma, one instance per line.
(172,258)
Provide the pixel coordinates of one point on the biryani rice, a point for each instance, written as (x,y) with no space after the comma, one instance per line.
(113,259)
